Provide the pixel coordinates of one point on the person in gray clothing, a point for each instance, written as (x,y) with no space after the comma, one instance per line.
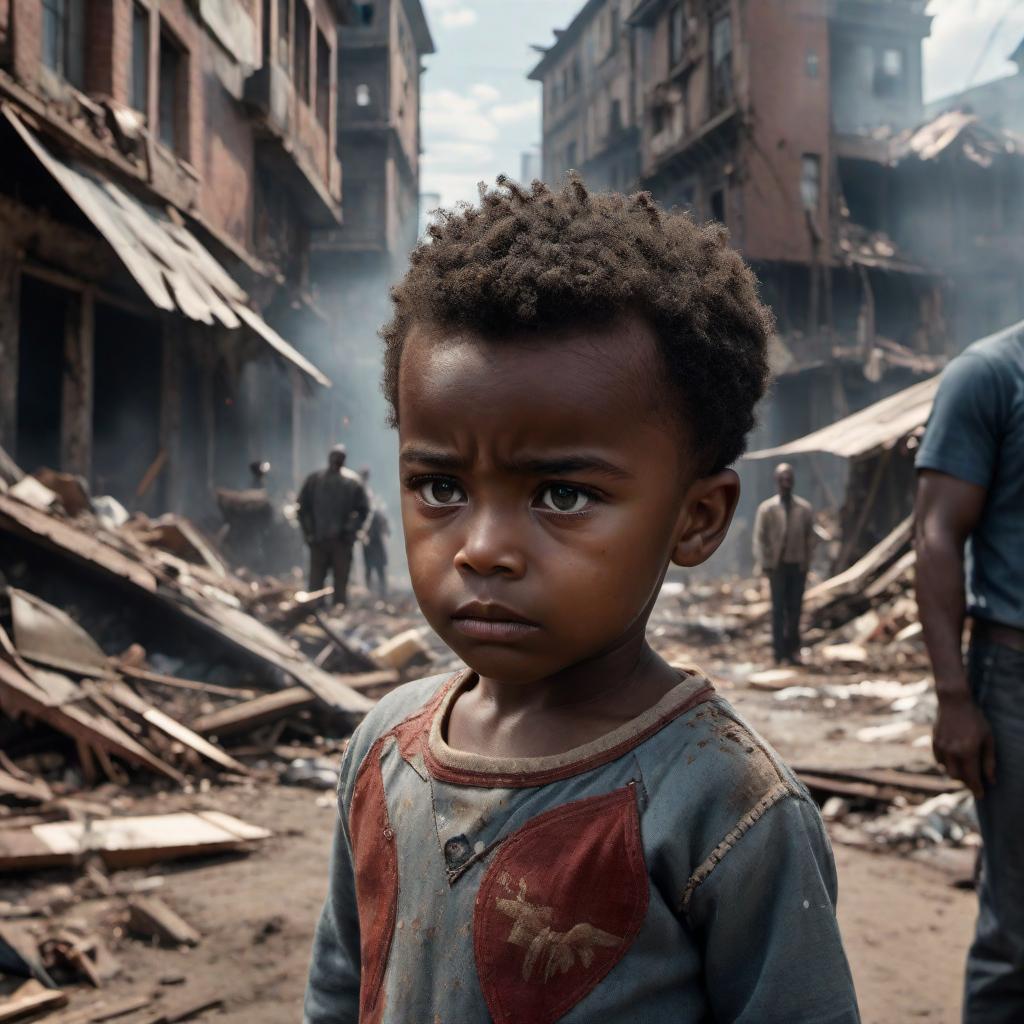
(970,563)
(333,506)
(784,541)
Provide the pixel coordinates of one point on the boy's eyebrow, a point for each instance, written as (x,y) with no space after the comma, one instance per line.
(555,465)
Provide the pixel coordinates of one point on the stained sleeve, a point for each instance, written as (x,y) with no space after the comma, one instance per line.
(964,429)
(332,990)
(765,913)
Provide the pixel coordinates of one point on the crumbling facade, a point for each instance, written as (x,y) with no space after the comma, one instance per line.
(884,242)
(165,165)
(353,264)
(590,78)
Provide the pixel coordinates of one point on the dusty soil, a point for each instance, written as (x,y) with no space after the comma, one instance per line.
(906,928)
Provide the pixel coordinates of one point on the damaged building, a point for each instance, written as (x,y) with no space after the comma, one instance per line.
(884,241)
(165,166)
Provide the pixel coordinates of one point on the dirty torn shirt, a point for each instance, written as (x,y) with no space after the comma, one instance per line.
(672,870)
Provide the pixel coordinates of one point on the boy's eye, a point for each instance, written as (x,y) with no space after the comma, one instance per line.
(439,493)
(563,498)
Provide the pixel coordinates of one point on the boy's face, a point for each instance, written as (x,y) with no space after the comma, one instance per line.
(545,489)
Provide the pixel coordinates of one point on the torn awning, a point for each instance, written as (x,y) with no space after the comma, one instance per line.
(176,272)
(879,426)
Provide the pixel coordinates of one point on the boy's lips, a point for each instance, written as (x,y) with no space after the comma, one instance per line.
(481,620)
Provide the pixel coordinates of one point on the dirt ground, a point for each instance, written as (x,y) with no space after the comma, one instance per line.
(906,928)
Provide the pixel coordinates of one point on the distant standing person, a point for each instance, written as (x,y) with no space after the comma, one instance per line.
(374,538)
(784,542)
(333,507)
(970,494)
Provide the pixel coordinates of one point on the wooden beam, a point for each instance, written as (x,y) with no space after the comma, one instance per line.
(81,253)
(10,301)
(170,413)
(251,713)
(77,395)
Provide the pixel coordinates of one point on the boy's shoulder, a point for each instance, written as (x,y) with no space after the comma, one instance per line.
(402,703)
(710,772)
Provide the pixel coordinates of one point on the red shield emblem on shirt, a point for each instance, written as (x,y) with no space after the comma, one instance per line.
(559,906)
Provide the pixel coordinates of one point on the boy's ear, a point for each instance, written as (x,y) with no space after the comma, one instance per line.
(705,517)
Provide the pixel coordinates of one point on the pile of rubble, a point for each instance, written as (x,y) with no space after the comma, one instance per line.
(137,665)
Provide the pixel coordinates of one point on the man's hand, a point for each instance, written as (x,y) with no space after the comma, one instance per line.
(963,744)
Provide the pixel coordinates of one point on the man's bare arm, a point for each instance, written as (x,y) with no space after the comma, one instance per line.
(947,511)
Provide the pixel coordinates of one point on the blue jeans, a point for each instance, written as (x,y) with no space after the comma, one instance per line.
(994,990)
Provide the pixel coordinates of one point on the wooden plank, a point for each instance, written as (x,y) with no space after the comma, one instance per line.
(143,675)
(10,347)
(77,385)
(126,842)
(914,782)
(119,692)
(36,790)
(18,693)
(372,680)
(149,916)
(31,999)
(252,713)
(21,520)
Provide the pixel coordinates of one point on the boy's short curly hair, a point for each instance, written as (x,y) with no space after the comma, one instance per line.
(541,260)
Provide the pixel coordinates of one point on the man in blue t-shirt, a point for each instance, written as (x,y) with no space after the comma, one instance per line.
(970,563)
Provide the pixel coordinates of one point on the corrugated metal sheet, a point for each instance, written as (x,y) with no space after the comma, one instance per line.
(173,268)
(879,426)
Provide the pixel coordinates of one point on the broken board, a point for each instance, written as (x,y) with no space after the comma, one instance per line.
(127,842)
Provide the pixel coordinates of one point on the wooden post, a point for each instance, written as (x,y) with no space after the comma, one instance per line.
(296,425)
(77,389)
(209,421)
(170,411)
(10,301)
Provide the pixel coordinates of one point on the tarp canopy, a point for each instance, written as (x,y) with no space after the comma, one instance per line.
(876,428)
(171,266)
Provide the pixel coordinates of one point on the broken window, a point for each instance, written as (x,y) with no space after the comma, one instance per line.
(284,51)
(616,28)
(889,77)
(64,39)
(323,81)
(810,180)
(362,95)
(140,58)
(365,13)
(721,63)
(576,75)
(676,35)
(171,97)
(302,31)
(812,63)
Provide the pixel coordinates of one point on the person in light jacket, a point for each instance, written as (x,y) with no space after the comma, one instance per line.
(784,542)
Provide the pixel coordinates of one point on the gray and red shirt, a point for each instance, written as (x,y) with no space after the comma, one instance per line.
(672,870)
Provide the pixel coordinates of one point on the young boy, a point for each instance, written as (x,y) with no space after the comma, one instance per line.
(571,829)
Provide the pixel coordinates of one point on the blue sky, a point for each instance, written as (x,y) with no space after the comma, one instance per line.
(480,113)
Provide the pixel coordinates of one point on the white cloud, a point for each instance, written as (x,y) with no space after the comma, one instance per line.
(451,13)
(507,113)
(462,17)
(449,117)
(485,92)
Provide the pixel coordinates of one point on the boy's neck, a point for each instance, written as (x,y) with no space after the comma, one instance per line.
(566,710)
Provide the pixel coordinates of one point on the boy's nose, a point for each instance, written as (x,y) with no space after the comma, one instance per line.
(492,546)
